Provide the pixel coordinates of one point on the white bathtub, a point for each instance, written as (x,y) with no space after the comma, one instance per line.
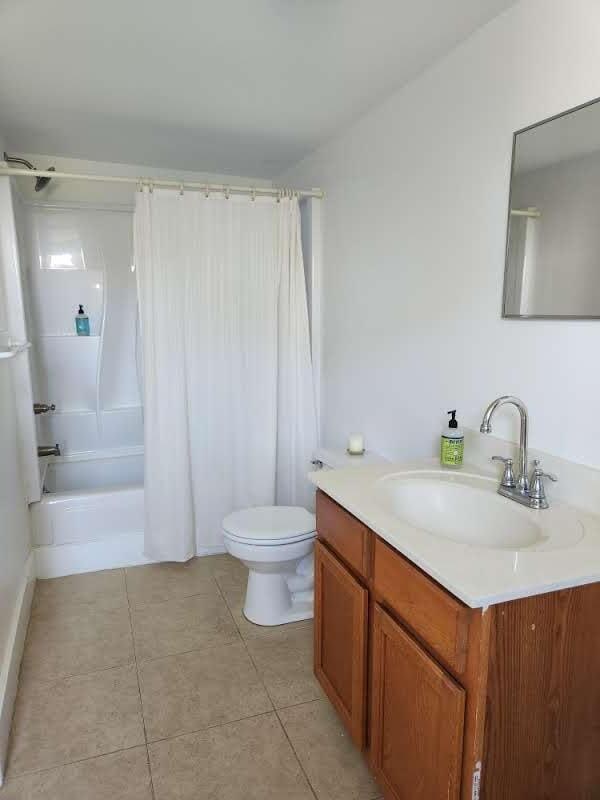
(91,515)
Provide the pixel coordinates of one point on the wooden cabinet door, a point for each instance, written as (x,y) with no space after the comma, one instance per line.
(417,716)
(341,610)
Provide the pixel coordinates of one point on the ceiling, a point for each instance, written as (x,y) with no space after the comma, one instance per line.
(243,87)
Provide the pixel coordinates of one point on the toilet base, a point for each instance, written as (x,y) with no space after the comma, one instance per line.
(280,579)
(274,598)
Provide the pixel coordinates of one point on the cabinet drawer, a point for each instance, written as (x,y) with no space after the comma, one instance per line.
(435,616)
(346,535)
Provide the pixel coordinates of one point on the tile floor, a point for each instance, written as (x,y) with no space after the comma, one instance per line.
(150,683)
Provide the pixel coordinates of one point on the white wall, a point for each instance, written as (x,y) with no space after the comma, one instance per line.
(15,546)
(415,223)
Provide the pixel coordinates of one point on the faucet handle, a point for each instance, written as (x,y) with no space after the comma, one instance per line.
(508,478)
(537,495)
(538,472)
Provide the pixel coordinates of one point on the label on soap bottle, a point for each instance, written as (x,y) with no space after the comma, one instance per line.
(451,454)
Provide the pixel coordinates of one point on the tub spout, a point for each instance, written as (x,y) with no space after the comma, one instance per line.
(48,450)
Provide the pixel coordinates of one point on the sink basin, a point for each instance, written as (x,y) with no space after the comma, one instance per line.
(464,509)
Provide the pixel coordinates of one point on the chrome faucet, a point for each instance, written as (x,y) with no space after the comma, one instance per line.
(522,484)
(48,450)
(518,488)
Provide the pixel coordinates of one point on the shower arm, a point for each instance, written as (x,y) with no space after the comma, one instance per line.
(40,180)
(17,160)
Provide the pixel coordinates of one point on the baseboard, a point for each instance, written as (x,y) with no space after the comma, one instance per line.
(213,550)
(9,674)
(54,561)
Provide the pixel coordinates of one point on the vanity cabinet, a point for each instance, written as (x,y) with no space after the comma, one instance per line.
(450,702)
(417,717)
(341,640)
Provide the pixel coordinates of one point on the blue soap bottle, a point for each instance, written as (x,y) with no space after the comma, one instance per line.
(82,323)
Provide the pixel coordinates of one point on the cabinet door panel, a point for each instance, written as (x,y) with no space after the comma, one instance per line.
(417,718)
(341,640)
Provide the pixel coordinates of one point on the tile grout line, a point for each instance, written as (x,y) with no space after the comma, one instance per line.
(63,764)
(210,727)
(24,680)
(193,650)
(224,599)
(281,725)
(137,677)
(300,764)
(241,638)
(47,681)
(134,663)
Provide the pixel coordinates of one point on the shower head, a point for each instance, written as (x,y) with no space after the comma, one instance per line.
(43,181)
(39,182)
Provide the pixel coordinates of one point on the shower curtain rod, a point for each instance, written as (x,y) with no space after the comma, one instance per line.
(222,188)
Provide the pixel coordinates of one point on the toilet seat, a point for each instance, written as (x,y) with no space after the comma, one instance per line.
(269,526)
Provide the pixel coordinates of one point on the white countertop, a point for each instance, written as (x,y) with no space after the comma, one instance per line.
(477,575)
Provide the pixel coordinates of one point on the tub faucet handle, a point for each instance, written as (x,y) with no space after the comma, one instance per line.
(43,408)
(508,478)
(48,450)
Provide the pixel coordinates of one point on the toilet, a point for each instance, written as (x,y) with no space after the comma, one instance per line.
(276,544)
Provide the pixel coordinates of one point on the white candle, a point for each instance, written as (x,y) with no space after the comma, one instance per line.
(356,444)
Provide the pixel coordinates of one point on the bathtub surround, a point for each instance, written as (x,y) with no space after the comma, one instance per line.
(416,200)
(75,246)
(228,389)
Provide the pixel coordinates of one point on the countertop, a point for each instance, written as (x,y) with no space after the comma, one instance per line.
(478,576)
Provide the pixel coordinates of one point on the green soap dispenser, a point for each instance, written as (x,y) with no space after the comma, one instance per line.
(453,444)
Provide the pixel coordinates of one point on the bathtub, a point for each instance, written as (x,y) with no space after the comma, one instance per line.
(91,514)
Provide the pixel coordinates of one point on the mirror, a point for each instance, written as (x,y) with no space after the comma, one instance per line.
(553,240)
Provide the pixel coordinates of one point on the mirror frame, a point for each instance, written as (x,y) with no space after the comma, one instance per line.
(505,314)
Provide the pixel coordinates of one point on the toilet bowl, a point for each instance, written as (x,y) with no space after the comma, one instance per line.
(276,544)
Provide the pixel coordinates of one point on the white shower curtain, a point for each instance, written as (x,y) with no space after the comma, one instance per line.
(229,415)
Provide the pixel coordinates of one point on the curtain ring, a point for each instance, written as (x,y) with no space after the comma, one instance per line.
(206,191)
(226,192)
(181,189)
(279,195)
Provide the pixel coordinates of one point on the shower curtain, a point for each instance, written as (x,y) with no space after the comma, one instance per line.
(229,415)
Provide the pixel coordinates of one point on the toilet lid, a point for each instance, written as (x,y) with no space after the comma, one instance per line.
(270,524)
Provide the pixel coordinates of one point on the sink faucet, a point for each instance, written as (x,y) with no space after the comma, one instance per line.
(486,427)
(518,489)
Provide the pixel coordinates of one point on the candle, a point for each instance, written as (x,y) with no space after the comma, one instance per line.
(356,444)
